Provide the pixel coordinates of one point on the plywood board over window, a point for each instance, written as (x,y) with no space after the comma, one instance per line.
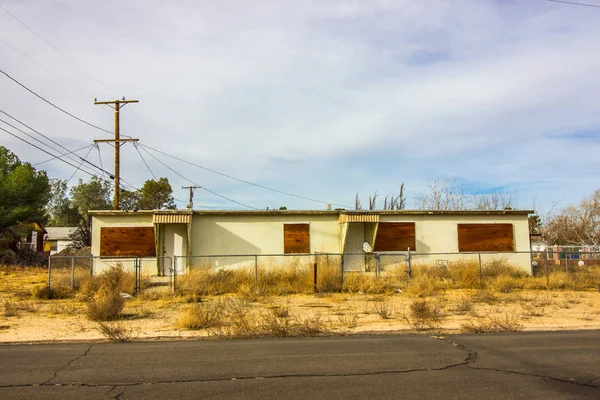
(130,241)
(296,238)
(395,236)
(485,237)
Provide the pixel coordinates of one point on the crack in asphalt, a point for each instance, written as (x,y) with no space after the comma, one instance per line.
(66,365)
(473,356)
(470,359)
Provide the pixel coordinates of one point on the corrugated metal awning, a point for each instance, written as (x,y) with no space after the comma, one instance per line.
(358,217)
(171,218)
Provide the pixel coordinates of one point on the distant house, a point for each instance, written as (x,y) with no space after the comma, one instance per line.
(58,238)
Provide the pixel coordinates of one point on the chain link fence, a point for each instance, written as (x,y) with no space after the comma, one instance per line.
(320,272)
(136,274)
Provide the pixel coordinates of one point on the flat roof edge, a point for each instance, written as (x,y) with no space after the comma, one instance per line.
(312,212)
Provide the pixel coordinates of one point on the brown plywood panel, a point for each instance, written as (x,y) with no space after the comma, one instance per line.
(485,237)
(131,241)
(296,238)
(395,236)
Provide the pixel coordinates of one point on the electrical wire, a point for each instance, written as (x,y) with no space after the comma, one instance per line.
(80,164)
(242,180)
(46,137)
(52,104)
(61,155)
(574,3)
(39,141)
(57,50)
(45,151)
(142,157)
(194,183)
(45,68)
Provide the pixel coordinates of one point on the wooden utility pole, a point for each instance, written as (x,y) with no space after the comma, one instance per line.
(191,204)
(116,105)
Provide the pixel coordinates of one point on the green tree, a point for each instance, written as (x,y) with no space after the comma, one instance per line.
(153,195)
(60,208)
(86,196)
(24,192)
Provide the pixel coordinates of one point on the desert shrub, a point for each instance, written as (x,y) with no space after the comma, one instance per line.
(503,323)
(294,278)
(115,279)
(424,315)
(10,308)
(504,283)
(329,278)
(463,305)
(485,296)
(360,282)
(382,308)
(201,315)
(501,267)
(115,331)
(205,281)
(106,305)
(424,285)
(464,274)
(43,292)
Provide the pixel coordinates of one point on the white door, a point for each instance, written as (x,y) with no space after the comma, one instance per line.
(175,245)
(355,239)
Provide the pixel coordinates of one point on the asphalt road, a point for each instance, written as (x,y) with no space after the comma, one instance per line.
(548,365)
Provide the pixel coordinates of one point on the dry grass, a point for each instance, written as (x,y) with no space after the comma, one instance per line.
(491,324)
(424,315)
(201,315)
(118,332)
(106,305)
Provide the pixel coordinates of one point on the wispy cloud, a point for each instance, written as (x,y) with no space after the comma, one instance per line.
(326,98)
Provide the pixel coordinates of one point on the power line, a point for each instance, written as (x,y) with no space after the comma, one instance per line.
(57,50)
(574,3)
(62,155)
(44,67)
(66,162)
(52,104)
(45,151)
(39,141)
(80,164)
(46,137)
(242,180)
(191,181)
(142,157)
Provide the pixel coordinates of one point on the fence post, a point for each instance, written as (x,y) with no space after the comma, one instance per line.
(376,265)
(566,263)
(174,271)
(547,272)
(480,271)
(49,269)
(342,269)
(408,260)
(256,270)
(91,265)
(137,274)
(315,277)
(72,272)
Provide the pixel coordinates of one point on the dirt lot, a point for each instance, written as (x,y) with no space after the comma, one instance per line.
(159,315)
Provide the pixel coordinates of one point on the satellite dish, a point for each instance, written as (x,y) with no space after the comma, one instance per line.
(367,247)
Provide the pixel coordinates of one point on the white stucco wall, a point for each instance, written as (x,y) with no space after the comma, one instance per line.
(439,234)
(259,234)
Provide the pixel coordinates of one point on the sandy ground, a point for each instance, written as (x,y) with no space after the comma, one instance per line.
(23,319)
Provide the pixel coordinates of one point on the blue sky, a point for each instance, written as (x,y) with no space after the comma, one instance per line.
(322,99)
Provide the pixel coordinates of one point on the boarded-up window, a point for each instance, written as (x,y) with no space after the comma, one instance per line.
(127,242)
(296,238)
(395,236)
(485,237)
